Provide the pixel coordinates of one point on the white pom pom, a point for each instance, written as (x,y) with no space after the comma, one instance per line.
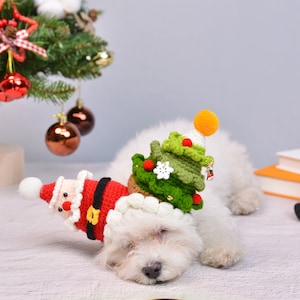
(51,9)
(122,205)
(30,187)
(71,6)
(165,209)
(39,2)
(151,204)
(177,214)
(113,217)
(136,200)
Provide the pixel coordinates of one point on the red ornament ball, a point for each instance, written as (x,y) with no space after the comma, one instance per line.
(187,142)
(82,118)
(62,138)
(13,86)
(148,165)
(197,199)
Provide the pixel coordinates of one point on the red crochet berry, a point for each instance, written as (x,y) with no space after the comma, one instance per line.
(187,142)
(148,165)
(197,199)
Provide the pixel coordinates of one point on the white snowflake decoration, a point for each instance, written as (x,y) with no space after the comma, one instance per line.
(163,170)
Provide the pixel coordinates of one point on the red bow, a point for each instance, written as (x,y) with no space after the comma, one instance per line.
(20,42)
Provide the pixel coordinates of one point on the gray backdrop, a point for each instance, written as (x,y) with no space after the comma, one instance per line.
(239,58)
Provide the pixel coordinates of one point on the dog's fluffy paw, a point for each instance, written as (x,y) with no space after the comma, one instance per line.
(220,257)
(245,202)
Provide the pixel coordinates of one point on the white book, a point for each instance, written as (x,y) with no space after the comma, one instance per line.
(289,160)
(275,181)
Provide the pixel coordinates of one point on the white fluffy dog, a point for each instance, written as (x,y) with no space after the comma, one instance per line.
(148,248)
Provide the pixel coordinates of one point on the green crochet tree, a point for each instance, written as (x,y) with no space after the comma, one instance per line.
(72,50)
(173,170)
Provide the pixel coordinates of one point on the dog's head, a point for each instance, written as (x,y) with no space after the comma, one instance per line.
(150,248)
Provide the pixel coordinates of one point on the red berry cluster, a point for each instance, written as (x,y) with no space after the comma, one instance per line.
(13,22)
(4,22)
(18,17)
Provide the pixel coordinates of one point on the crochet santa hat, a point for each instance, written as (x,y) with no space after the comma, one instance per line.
(83,202)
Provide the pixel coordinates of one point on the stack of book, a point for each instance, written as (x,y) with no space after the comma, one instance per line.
(282,179)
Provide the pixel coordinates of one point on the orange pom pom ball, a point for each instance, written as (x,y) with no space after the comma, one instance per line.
(206,122)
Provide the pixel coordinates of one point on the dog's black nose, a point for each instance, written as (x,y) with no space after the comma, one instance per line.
(153,270)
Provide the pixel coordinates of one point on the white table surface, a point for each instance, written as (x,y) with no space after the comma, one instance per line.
(41,259)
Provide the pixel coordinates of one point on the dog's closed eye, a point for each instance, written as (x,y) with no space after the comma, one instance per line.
(160,233)
(131,246)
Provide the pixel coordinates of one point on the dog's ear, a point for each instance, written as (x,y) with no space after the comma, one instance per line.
(297,210)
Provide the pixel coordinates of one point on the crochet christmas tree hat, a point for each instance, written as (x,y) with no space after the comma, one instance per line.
(173,172)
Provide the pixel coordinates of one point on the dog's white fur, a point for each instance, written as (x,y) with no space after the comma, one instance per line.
(148,249)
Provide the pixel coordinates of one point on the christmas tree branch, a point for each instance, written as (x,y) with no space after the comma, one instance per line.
(72,53)
(56,92)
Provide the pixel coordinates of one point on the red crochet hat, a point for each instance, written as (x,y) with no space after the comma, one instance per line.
(46,192)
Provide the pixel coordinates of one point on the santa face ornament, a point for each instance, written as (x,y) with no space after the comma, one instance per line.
(83,202)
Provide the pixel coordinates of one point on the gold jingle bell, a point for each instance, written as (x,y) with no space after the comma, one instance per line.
(104,58)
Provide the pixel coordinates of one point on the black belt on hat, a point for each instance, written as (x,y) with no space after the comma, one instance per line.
(93,212)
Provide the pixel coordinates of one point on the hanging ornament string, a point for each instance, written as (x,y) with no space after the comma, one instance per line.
(12,38)
(10,65)
(79,88)
(62,118)
(79,101)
